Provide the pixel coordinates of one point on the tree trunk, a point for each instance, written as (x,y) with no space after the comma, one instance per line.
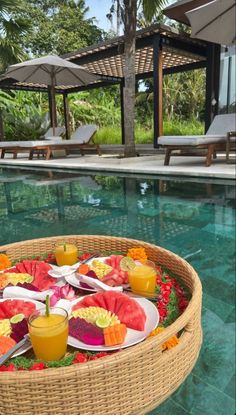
(129,75)
(1,127)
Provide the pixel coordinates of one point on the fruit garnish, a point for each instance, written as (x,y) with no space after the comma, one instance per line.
(85,332)
(127,263)
(91,314)
(14,278)
(17,318)
(5,327)
(100,268)
(47,311)
(83,269)
(19,330)
(102,322)
(115,335)
(28,286)
(3,281)
(6,343)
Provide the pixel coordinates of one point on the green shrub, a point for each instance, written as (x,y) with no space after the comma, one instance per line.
(109,135)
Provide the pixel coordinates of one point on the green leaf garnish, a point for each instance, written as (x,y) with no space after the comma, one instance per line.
(47,306)
(64,246)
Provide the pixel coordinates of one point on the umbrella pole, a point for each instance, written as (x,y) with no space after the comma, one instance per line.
(54,121)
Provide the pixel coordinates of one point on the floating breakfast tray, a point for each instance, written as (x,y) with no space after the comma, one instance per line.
(132,381)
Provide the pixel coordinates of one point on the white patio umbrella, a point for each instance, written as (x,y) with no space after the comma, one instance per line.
(214,22)
(51,71)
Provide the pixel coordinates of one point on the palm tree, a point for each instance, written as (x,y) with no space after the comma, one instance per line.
(150,10)
(10,31)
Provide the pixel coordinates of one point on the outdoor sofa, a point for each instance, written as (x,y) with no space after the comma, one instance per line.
(214,140)
(81,139)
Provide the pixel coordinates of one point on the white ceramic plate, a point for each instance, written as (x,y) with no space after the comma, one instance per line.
(74,281)
(132,337)
(39,305)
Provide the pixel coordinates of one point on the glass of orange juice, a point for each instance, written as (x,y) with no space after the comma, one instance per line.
(49,333)
(66,254)
(142,278)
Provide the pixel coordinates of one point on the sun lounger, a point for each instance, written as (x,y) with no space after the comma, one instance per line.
(213,141)
(81,140)
(15,147)
(59,131)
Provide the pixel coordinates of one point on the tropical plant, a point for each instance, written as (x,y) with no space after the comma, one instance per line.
(58,26)
(11,29)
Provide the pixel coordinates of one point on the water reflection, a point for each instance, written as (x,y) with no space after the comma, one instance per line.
(43,203)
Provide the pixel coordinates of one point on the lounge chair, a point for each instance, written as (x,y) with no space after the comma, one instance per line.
(84,135)
(15,147)
(81,140)
(59,131)
(213,141)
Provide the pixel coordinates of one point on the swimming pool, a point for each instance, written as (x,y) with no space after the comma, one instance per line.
(193,218)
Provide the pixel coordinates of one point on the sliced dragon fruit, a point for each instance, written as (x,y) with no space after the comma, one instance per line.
(19,330)
(85,332)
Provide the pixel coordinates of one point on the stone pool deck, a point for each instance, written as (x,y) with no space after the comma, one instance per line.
(150,161)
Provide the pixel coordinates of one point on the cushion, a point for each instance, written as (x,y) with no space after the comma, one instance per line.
(190,140)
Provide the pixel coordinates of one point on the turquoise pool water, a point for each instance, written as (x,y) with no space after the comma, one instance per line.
(193,218)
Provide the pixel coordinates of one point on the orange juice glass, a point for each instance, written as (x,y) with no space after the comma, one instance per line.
(48,334)
(66,254)
(142,279)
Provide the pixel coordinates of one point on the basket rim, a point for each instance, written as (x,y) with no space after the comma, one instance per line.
(147,344)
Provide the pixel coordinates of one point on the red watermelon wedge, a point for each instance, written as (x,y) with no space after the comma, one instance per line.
(126,308)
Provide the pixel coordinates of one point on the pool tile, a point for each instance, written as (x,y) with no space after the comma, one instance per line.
(216,289)
(216,362)
(221,308)
(230,388)
(200,398)
(169,407)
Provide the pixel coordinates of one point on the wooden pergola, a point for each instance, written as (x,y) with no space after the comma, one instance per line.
(160,50)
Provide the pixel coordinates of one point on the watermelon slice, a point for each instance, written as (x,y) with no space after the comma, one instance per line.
(21,268)
(12,307)
(126,308)
(28,266)
(39,270)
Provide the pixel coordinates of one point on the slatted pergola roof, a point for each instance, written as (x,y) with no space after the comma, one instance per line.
(106,59)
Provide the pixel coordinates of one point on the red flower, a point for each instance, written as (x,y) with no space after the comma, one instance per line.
(101,354)
(80,358)
(10,368)
(38,366)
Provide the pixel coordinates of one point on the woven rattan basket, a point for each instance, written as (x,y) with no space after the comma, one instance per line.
(133,381)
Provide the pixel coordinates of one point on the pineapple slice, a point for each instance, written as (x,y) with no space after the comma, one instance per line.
(100,268)
(92,314)
(14,278)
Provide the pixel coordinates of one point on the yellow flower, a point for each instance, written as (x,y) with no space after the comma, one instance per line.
(172,342)
(138,254)
(4,262)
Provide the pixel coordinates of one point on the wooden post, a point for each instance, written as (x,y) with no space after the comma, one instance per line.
(122,112)
(157,89)
(66,115)
(212,83)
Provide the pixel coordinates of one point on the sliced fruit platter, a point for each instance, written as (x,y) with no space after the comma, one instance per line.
(111,271)
(14,315)
(30,274)
(110,320)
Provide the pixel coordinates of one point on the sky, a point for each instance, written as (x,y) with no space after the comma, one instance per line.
(99,9)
